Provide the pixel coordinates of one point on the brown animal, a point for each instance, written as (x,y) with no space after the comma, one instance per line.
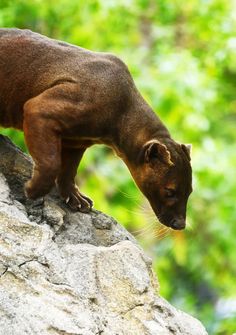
(66,99)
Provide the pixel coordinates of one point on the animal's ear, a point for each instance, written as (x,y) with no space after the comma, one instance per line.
(154,150)
(187,148)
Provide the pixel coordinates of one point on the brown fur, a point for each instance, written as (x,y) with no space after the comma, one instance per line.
(66,99)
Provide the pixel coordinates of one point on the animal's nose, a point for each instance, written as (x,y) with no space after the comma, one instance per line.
(178,223)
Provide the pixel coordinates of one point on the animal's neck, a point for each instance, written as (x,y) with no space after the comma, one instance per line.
(138,126)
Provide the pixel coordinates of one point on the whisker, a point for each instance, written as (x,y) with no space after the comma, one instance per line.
(159,232)
(147,212)
(136,212)
(145,207)
(139,211)
(161,228)
(127,195)
(163,233)
(144,229)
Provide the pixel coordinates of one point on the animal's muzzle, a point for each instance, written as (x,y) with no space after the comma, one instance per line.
(178,223)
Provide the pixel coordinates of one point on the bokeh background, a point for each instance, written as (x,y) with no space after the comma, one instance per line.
(182,55)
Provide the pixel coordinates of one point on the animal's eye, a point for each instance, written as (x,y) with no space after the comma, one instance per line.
(170,193)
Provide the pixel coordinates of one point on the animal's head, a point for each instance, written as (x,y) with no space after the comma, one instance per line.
(164,175)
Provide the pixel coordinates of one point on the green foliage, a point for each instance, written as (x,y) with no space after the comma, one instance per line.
(183,59)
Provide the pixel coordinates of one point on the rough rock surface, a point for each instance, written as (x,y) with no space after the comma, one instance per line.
(71,273)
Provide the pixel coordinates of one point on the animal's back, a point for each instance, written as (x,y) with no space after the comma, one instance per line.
(30,63)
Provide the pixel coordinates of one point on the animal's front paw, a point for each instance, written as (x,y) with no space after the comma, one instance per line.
(37,188)
(78,201)
(32,191)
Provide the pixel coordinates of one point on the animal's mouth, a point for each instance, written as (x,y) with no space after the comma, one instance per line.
(178,223)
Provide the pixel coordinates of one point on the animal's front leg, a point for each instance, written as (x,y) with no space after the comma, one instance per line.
(70,159)
(44,145)
(46,118)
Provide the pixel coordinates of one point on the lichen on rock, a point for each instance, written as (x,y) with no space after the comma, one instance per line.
(64,272)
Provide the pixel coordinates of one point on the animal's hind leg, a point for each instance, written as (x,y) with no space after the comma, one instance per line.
(44,145)
(70,159)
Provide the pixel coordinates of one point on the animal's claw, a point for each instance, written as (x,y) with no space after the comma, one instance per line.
(79,202)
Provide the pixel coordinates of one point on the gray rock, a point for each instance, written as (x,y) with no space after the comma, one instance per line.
(72,273)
